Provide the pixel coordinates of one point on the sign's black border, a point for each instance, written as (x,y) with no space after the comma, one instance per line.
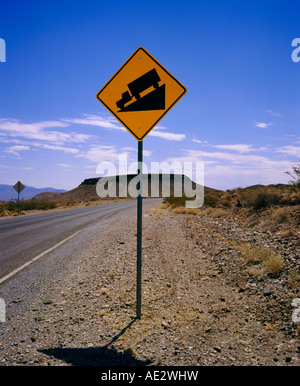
(163,68)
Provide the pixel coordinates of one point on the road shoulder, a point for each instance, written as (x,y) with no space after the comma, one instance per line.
(196,309)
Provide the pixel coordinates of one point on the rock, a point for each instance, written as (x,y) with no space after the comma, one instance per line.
(268,291)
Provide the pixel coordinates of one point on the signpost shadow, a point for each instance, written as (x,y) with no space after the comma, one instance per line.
(97,356)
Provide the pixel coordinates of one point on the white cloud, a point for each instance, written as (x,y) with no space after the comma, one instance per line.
(16,167)
(96,120)
(274,113)
(14,150)
(128,148)
(43,131)
(198,141)
(40,145)
(56,147)
(263,125)
(40,131)
(241,148)
(64,165)
(254,161)
(146,153)
(166,135)
(101,153)
(112,123)
(291,150)
(225,177)
(234,169)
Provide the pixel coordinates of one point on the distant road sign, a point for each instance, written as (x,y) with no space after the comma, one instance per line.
(140,93)
(19,187)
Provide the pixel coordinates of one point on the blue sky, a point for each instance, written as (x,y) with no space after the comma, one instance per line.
(240,115)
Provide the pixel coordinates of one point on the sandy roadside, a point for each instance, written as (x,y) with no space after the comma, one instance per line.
(196,310)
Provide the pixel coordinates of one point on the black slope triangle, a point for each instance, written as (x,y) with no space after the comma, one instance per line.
(155,100)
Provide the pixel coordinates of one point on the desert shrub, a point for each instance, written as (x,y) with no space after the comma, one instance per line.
(39,204)
(295,175)
(294,278)
(292,198)
(279,215)
(261,198)
(183,210)
(12,205)
(273,264)
(264,200)
(43,204)
(224,203)
(177,201)
(210,200)
(270,262)
(250,253)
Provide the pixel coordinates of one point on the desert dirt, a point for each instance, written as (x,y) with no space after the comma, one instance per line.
(202,303)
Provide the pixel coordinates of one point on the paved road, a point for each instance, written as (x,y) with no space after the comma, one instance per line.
(26,237)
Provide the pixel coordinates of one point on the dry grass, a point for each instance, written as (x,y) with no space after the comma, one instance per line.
(279,215)
(270,262)
(250,253)
(205,211)
(294,279)
(273,264)
(104,292)
(272,327)
(219,212)
(183,210)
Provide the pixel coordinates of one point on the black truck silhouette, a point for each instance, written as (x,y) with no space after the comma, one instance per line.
(140,84)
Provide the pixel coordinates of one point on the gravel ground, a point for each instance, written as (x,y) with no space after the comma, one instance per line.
(199,304)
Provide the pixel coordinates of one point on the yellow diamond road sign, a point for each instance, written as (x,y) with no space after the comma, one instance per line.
(19,187)
(140,93)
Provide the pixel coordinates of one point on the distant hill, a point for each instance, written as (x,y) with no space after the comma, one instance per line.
(86,191)
(7,192)
(260,186)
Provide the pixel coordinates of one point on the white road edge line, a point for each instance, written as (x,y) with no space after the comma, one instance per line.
(37,257)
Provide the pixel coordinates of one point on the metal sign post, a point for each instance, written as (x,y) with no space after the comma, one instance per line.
(139,233)
(139,95)
(18,188)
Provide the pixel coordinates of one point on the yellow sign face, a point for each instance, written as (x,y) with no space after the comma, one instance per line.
(140,93)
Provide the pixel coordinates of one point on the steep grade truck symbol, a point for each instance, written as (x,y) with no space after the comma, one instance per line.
(154,100)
